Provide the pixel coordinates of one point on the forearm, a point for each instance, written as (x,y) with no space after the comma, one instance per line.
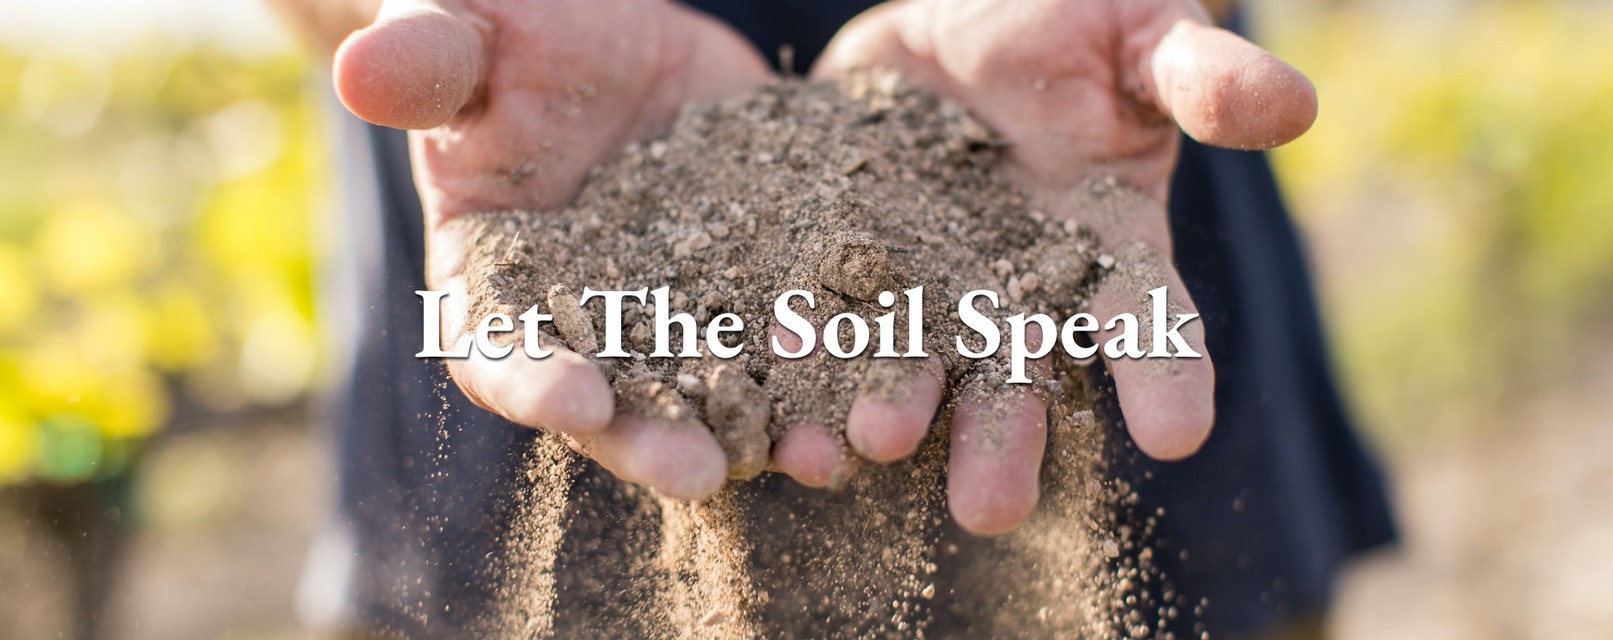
(323,24)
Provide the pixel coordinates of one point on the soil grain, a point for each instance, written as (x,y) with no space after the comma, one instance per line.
(847,190)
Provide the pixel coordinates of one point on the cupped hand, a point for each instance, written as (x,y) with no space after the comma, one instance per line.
(1088,93)
(510,105)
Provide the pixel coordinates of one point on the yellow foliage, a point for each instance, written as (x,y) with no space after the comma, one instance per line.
(182,334)
(85,247)
(1457,181)
(156,232)
(21,294)
(129,405)
(19,443)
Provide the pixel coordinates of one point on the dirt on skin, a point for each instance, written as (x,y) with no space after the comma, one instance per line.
(846,190)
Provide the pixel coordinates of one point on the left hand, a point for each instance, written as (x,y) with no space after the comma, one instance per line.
(1087,89)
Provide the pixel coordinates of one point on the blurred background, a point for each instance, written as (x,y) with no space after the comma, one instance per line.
(165,183)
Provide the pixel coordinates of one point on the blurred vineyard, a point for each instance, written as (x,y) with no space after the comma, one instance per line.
(1456,194)
(155,249)
(1457,191)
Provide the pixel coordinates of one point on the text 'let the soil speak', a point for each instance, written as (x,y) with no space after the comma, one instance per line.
(845,336)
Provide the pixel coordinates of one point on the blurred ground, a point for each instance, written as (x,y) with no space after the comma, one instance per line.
(218,524)
(1507,534)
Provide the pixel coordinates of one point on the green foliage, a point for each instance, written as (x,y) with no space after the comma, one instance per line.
(154,248)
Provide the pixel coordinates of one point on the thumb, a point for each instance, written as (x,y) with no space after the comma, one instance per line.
(415,68)
(1224,91)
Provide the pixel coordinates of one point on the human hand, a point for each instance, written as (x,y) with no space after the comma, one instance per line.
(1086,90)
(510,104)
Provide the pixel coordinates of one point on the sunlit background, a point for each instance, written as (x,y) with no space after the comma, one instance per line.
(166,182)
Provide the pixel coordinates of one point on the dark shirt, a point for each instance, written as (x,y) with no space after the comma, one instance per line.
(1280,496)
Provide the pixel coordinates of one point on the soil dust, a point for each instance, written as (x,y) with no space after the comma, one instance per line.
(845,189)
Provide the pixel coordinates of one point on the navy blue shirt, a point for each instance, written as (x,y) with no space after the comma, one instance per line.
(1280,496)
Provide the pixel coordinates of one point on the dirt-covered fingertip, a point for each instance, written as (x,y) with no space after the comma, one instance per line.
(993,477)
(812,456)
(990,517)
(680,460)
(414,70)
(1169,407)
(696,474)
(1153,343)
(564,392)
(888,425)
(1224,91)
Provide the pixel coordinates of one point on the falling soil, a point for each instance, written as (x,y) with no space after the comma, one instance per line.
(845,190)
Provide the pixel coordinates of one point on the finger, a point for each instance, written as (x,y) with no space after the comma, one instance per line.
(1168,403)
(564,392)
(996,459)
(567,393)
(885,425)
(415,68)
(807,452)
(1224,91)
(722,73)
(680,460)
(813,456)
(870,37)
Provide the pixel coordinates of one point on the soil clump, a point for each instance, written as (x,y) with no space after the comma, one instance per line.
(844,189)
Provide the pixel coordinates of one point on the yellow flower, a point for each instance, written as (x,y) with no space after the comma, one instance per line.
(129,405)
(183,333)
(86,247)
(59,377)
(19,289)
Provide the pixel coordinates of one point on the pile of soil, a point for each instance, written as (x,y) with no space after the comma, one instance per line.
(845,189)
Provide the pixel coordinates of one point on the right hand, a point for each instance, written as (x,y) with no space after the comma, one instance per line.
(510,104)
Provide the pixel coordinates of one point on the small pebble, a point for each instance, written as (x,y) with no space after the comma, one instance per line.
(691,385)
(714,618)
(1030,283)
